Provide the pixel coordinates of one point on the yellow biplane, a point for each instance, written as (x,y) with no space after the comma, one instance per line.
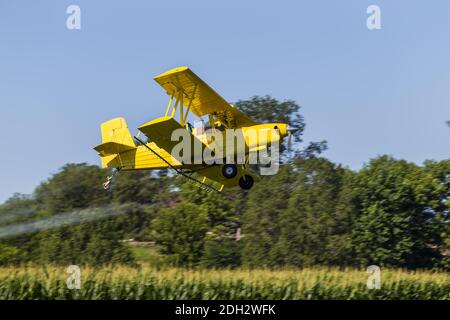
(188,93)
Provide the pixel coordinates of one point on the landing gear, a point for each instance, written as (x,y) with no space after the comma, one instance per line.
(246,182)
(229,171)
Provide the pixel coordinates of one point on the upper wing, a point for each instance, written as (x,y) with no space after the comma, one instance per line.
(201,98)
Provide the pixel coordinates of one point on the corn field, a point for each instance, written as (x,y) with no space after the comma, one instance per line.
(174,283)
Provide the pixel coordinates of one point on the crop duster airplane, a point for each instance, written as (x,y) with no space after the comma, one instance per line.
(188,93)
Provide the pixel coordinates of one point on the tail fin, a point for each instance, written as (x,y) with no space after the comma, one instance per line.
(116,138)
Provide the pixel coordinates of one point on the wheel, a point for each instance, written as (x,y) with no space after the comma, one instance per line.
(246,182)
(229,171)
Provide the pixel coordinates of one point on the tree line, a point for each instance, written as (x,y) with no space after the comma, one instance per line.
(313,212)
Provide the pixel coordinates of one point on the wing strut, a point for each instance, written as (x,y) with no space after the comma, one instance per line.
(201,184)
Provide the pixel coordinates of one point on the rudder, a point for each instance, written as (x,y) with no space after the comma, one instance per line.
(116,138)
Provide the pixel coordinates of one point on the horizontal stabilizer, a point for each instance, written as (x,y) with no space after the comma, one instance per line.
(110,148)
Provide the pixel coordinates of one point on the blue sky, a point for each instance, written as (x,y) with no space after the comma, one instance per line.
(366,92)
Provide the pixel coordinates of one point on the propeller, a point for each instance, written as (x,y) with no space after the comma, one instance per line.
(290,130)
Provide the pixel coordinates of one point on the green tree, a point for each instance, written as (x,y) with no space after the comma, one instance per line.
(315,227)
(180,232)
(90,243)
(399,224)
(434,192)
(261,219)
(221,223)
(137,186)
(269,110)
(302,216)
(221,253)
(18,208)
(75,186)
(221,209)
